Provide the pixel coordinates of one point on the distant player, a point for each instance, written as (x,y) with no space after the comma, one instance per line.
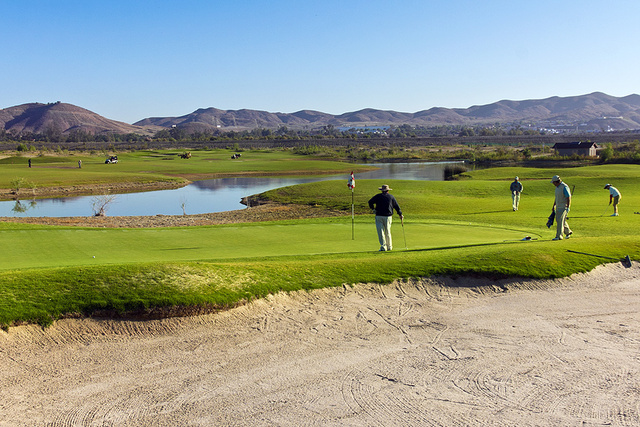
(614,196)
(516,189)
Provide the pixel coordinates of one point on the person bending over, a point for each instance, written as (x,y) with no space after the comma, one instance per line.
(614,196)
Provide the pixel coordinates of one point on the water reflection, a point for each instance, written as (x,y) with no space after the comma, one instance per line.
(214,195)
(20,207)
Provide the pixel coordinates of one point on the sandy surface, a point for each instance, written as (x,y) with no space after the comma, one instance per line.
(437,351)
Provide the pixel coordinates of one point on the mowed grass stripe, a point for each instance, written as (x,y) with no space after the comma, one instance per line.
(55,247)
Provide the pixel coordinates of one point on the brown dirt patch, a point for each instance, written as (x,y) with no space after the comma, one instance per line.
(88,189)
(264,212)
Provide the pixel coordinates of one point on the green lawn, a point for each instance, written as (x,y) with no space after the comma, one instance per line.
(38,247)
(160,165)
(457,227)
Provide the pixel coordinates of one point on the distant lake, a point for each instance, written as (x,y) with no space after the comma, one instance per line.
(212,195)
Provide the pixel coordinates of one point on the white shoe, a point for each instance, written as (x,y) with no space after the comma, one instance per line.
(557,238)
(615,214)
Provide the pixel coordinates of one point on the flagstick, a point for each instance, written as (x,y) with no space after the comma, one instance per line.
(404,235)
(353,233)
(352,185)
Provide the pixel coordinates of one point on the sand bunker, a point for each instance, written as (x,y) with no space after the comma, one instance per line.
(431,352)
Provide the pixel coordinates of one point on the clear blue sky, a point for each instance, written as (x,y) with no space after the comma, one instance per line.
(128,60)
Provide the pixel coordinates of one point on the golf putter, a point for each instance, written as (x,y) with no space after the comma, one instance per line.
(403,234)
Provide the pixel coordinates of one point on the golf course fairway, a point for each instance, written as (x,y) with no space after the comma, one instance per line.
(450,228)
(58,247)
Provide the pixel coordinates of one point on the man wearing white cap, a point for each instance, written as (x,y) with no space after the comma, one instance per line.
(383,204)
(561,204)
(614,196)
(516,189)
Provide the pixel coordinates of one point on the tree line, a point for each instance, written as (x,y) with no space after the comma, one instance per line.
(180,134)
(308,141)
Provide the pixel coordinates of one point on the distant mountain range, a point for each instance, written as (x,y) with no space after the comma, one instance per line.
(595,111)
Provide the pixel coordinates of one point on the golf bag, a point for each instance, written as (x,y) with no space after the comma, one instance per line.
(552,217)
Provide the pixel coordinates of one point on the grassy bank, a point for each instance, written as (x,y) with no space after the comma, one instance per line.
(155,166)
(454,228)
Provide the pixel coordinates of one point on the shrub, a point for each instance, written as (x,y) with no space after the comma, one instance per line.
(17,183)
(451,170)
(606,154)
(101,203)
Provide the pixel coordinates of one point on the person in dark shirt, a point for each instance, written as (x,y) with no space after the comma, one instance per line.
(516,189)
(383,205)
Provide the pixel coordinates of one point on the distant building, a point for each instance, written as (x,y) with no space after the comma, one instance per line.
(588,149)
(364,129)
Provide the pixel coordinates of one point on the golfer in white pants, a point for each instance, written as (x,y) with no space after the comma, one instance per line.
(562,204)
(384,204)
(516,189)
(614,196)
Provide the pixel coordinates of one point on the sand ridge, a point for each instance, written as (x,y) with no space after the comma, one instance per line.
(435,351)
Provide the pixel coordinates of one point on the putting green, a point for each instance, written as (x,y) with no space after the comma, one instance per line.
(53,246)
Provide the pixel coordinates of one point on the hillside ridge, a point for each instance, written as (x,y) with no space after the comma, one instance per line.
(597,110)
(592,112)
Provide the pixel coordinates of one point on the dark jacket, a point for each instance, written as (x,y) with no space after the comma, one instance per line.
(384,203)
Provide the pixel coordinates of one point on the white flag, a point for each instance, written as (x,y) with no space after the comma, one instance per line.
(352,182)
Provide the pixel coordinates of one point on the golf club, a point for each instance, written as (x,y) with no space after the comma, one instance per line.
(605,211)
(404,235)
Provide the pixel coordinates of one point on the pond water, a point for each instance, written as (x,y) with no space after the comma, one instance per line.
(213,195)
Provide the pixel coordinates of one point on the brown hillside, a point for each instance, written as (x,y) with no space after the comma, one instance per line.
(61,117)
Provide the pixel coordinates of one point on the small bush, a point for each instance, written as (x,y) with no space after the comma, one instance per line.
(17,183)
(451,170)
(101,203)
